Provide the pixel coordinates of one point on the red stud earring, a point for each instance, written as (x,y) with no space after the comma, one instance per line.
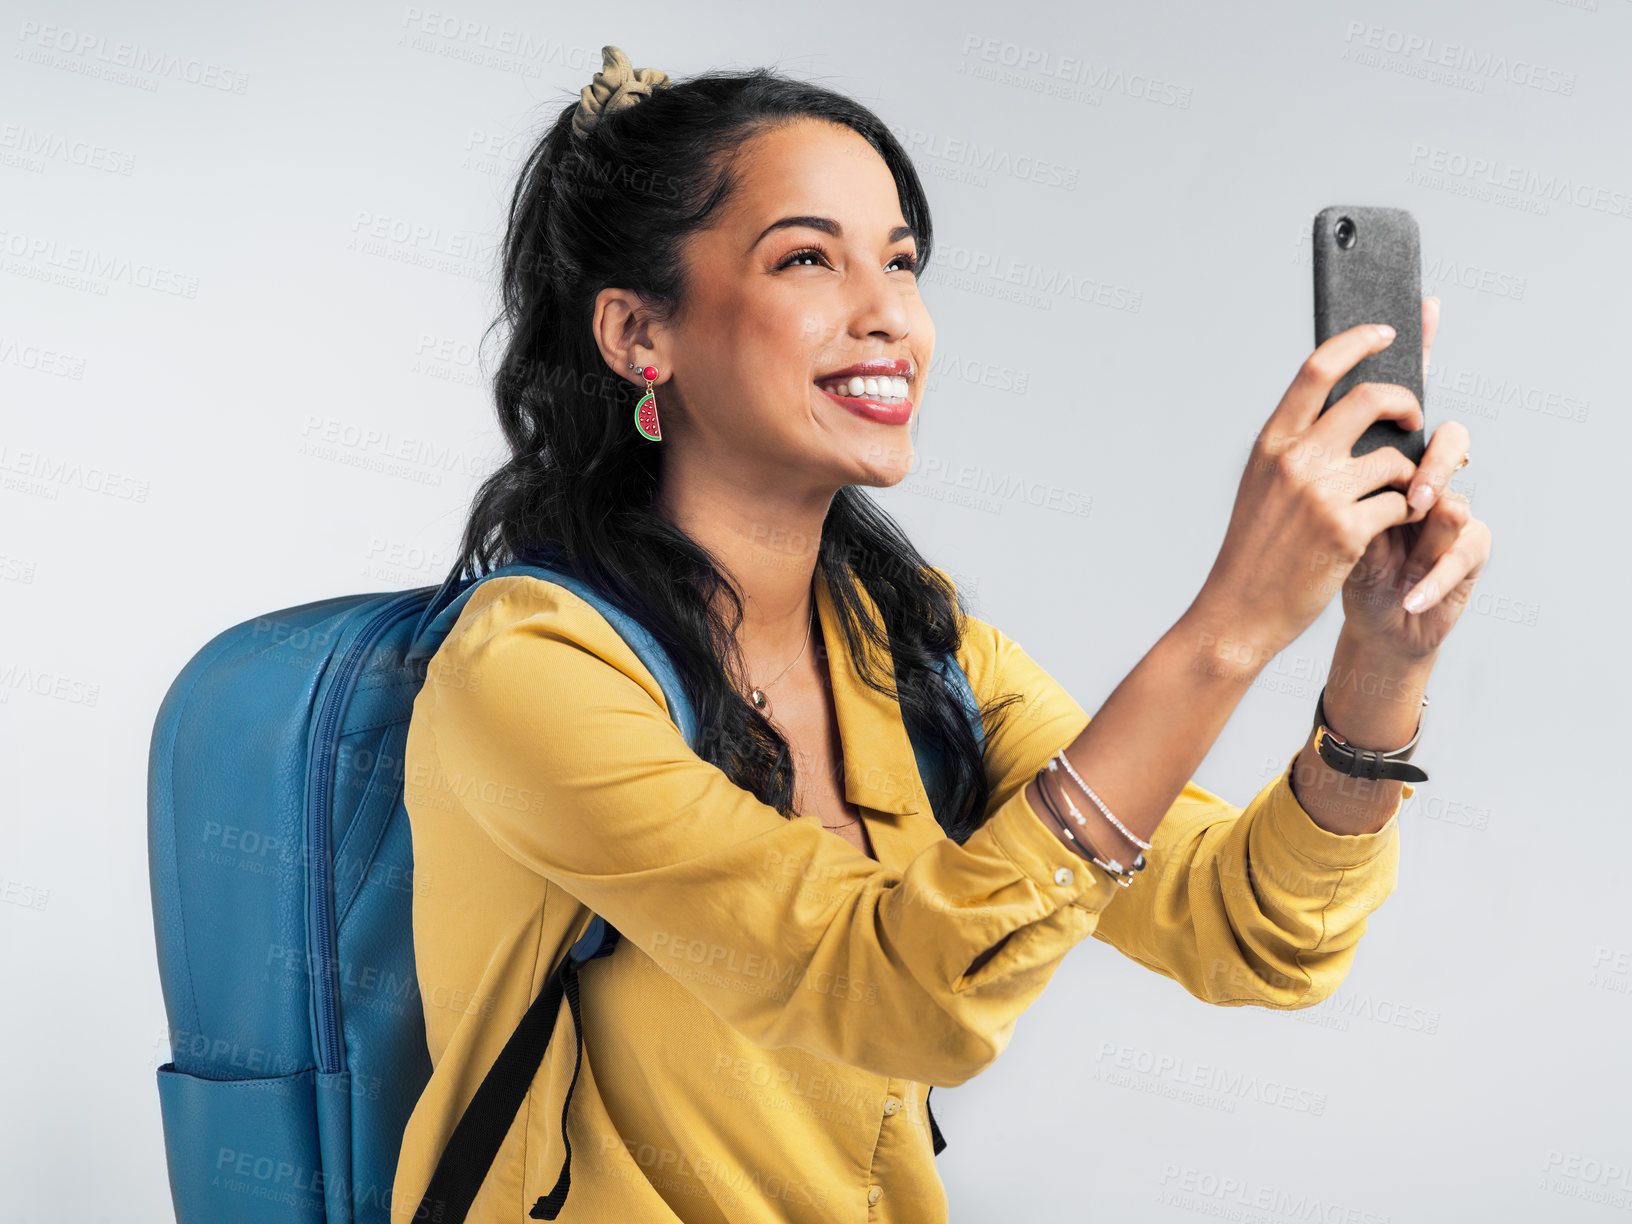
(646,410)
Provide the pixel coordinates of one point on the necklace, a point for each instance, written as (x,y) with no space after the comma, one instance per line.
(762,703)
(833,828)
(756,694)
(845,825)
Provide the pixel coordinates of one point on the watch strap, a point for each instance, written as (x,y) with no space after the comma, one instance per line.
(1370,763)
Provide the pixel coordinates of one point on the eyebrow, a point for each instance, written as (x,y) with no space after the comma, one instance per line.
(828,226)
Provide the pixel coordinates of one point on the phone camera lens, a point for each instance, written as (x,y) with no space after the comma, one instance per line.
(1344,232)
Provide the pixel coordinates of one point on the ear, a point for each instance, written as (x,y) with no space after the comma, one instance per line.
(624,331)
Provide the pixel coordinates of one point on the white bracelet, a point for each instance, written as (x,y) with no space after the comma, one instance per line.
(1060,756)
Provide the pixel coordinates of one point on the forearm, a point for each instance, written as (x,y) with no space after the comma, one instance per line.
(1154,730)
(1373,700)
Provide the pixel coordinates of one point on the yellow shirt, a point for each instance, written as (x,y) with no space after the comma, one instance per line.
(758,1046)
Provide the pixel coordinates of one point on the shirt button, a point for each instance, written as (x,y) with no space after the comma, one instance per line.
(891,1106)
(875,1193)
(1064,875)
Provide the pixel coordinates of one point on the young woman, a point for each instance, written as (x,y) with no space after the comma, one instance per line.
(812,936)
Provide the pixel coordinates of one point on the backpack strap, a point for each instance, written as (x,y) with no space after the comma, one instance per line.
(931,766)
(934,1130)
(480,1132)
(441,613)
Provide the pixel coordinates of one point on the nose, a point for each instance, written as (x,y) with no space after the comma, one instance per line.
(878,306)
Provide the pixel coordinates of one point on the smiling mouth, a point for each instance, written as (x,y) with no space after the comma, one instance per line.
(883,389)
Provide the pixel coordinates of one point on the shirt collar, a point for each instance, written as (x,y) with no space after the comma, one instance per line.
(880,771)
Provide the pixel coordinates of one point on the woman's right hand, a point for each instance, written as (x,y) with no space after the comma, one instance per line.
(1299,525)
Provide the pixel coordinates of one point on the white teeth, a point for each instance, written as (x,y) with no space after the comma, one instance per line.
(885,387)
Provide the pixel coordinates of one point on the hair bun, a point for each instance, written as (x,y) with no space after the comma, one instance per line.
(616,86)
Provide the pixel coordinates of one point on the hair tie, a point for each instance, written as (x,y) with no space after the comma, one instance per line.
(617,86)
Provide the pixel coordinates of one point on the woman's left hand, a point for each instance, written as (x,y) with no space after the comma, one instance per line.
(1432,559)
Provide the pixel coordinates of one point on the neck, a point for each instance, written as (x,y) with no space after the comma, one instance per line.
(767,548)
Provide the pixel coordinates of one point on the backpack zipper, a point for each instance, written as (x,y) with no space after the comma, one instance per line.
(324,973)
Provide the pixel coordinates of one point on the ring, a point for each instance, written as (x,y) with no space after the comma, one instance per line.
(1464,462)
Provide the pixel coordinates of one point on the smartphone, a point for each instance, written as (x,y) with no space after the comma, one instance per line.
(1368,269)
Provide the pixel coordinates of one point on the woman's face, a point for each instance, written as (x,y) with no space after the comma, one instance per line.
(777,309)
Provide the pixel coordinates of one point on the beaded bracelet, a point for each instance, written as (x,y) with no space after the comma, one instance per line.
(1125,831)
(1122,875)
(1114,869)
(1081,843)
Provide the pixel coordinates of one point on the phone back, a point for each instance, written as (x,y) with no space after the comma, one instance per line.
(1370,271)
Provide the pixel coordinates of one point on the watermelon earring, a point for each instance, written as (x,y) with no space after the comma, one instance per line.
(646,410)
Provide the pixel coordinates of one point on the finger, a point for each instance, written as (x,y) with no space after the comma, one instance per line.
(1375,515)
(1439,531)
(1439,464)
(1384,467)
(1311,459)
(1343,423)
(1319,373)
(1463,560)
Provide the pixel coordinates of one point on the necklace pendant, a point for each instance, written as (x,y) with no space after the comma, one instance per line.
(761,702)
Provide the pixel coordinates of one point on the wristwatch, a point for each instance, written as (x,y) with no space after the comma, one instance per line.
(1366,762)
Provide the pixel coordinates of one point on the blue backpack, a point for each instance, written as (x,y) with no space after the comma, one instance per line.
(281,864)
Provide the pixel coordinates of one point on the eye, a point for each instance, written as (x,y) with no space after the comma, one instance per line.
(803,253)
(908,260)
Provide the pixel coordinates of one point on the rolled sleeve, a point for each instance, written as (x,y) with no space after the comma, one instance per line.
(1256,905)
(1291,822)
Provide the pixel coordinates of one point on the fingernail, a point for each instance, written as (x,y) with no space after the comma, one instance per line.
(1385,331)
(1421,497)
(1415,600)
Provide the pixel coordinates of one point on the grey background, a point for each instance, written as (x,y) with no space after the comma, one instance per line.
(162,475)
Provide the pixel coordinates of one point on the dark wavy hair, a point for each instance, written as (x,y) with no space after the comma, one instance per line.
(615,209)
